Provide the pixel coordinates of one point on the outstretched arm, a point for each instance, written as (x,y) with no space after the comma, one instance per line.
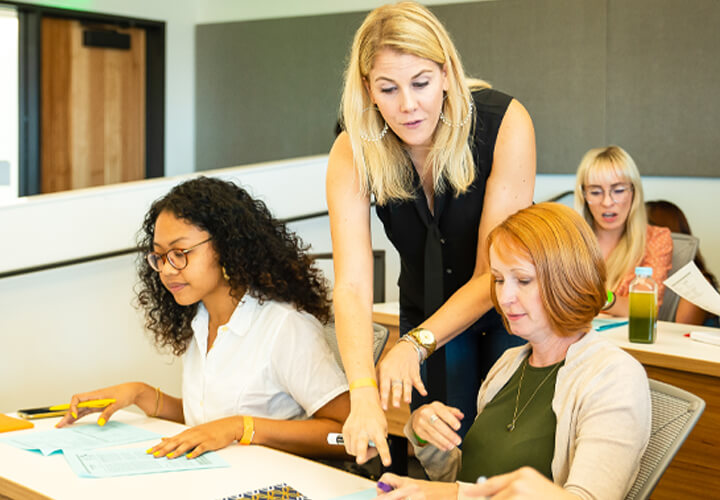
(352,296)
(301,437)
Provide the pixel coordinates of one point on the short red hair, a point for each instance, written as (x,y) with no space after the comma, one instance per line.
(568,261)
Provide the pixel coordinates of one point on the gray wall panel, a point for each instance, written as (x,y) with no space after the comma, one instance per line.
(663,86)
(548,54)
(641,73)
(270,89)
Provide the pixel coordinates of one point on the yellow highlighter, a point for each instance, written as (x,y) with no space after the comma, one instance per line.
(60,410)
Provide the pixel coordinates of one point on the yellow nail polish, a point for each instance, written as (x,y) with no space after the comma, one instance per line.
(74,414)
(149,450)
(171,454)
(101,421)
(156,454)
(189,455)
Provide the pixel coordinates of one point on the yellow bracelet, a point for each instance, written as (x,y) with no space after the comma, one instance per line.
(248,430)
(363,382)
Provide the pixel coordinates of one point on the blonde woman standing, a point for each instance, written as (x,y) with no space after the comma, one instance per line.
(445,164)
(609,194)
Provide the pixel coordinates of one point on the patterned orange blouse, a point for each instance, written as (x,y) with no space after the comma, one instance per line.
(658,255)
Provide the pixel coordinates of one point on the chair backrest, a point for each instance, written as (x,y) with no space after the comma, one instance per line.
(567,198)
(674,414)
(684,249)
(380,336)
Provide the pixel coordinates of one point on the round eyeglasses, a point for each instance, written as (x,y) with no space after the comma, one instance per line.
(619,193)
(176,257)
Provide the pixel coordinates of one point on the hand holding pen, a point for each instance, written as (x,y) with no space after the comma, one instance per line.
(122,395)
(394,487)
(524,483)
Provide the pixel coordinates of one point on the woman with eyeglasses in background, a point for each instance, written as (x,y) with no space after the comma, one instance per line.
(230,289)
(608,193)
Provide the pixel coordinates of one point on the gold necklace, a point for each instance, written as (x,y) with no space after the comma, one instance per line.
(511,426)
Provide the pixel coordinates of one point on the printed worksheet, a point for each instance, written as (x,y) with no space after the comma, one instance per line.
(80,437)
(134,461)
(689,283)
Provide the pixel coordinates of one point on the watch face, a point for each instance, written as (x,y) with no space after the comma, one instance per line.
(426,337)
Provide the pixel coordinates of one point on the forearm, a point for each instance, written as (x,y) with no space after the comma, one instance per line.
(301,437)
(159,404)
(353,327)
(461,310)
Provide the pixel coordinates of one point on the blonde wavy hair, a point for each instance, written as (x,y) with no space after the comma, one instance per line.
(602,165)
(383,166)
(567,259)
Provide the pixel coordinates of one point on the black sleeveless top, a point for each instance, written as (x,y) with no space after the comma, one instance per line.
(456,217)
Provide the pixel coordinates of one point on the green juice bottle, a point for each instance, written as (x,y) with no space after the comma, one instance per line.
(643,307)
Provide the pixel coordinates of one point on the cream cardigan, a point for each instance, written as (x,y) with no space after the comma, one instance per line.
(602,406)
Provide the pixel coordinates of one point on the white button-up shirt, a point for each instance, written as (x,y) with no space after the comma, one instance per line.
(269,360)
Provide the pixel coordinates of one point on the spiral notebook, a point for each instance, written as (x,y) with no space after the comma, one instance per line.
(280,491)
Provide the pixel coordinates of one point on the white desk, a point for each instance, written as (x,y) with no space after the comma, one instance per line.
(674,359)
(28,475)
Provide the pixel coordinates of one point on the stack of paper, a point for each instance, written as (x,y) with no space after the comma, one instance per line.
(80,437)
(133,461)
(80,445)
(689,283)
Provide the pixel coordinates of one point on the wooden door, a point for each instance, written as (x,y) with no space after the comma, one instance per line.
(93,108)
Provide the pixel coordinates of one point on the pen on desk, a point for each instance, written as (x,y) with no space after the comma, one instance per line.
(706,337)
(337,438)
(95,403)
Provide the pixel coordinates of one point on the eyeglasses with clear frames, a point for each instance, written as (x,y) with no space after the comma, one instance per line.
(176,257)
(619,193)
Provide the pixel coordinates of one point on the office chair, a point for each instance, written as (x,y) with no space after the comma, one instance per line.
(684,249)
(674,414)
(567,198)
(380,336)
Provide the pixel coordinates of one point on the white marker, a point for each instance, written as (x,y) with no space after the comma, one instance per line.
(337,438)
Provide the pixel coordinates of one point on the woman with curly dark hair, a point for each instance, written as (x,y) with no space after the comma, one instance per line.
(230,289)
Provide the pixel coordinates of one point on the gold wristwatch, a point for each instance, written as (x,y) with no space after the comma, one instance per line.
(424,338)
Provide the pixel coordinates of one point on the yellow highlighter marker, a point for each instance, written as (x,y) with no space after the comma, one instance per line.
(60,410)
(95,403)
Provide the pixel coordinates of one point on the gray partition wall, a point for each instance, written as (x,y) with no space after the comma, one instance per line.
(639,73)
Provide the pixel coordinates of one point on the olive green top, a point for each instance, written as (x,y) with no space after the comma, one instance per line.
(490,448)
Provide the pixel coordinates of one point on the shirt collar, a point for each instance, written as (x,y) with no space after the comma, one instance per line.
(239,323)
(243,316)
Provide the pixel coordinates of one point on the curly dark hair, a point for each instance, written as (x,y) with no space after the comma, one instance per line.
(260,255)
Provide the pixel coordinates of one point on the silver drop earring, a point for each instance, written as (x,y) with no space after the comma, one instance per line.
(447,122)
(379,136)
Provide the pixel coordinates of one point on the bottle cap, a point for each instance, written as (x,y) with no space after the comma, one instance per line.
(643,271)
